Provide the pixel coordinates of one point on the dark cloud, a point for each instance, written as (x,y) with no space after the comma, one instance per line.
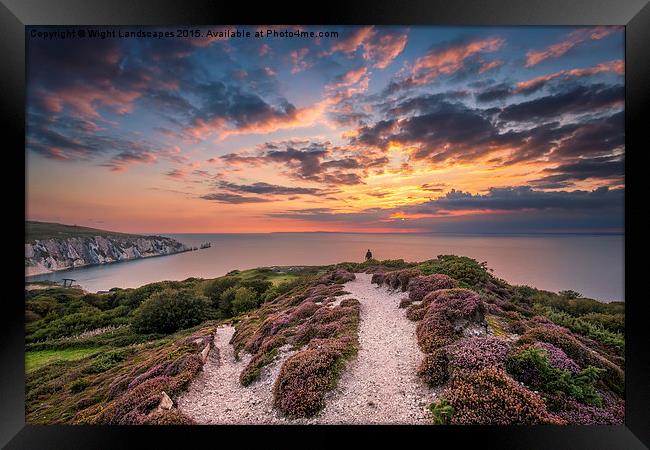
(239,108)
(233,199)
(494,93)
(266,188)
(578,99)
(312,161)
(499,211)
(604,168)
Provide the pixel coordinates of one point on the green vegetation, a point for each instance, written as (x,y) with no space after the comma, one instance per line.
(591,328)
(532,367)
(37,359)
(168,311)
(106,358)
(48,230)
(83,350)
(441,412)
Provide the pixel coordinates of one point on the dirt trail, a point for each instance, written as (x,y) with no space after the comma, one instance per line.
(378,387)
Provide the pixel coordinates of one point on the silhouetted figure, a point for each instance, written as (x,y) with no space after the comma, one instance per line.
(368,255)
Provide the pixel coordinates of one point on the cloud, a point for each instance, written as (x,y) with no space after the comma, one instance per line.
(311,161)
(298,61)
(529,86)
(611,168)
(377,48)
(499,210)
(578,99)
(534,57)
(266,188)
(233,199)
(446,59)
(123,160)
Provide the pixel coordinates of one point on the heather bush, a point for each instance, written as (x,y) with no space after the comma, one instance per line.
(378,278)
(433,368)
(168,311)
(166,417)
(305,378)
(477,353)
(612,411)
(557,358)
(584,327)
(419,286)
(404,303)
(531,366)
(491,397)
(613,377)
(449,312)
(338,276)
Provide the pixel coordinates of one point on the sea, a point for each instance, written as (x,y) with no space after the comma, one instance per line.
(592,265)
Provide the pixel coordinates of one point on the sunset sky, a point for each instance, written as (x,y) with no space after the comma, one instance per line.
(383,129)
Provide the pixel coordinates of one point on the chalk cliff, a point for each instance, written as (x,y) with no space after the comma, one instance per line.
(49,255)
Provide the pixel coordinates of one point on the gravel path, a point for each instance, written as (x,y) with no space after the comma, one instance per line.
(378,387)
(216,395)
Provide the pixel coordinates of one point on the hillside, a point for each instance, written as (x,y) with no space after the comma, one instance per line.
(49,230)
(51,247)
(437,342)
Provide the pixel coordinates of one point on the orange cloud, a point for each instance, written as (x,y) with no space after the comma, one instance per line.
(385,50)
(298,60)
(490,65)
(534,57)
(617,66)
(450,60)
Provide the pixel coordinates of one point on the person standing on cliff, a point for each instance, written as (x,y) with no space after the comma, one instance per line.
(368,255)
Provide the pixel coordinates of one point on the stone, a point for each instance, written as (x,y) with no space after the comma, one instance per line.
(165,402)
(204,354)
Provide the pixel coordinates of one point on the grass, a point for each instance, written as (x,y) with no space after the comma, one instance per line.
(37,359)
(48,230)
(274,277)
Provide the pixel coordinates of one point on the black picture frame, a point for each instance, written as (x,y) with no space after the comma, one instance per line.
(16,14)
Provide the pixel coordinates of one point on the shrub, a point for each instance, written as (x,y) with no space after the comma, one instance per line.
(305,377)
(478,353)
(166,417)
(378,278)
(216,287)
(433,368)
(441,412)
(245,300)
(449,314)
(338,276)
(613,377)
(461,268)
(531,366)
(557,358)
(611,413)
(584,327)
(419,286)
(79,385)
(258,286)
(168,311)
(105,361)
(491,397)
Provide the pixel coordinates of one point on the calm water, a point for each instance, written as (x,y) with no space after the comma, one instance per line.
(592,265)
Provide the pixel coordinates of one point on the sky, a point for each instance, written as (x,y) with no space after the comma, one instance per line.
(367,129)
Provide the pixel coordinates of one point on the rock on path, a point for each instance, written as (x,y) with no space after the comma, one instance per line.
(379,386)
